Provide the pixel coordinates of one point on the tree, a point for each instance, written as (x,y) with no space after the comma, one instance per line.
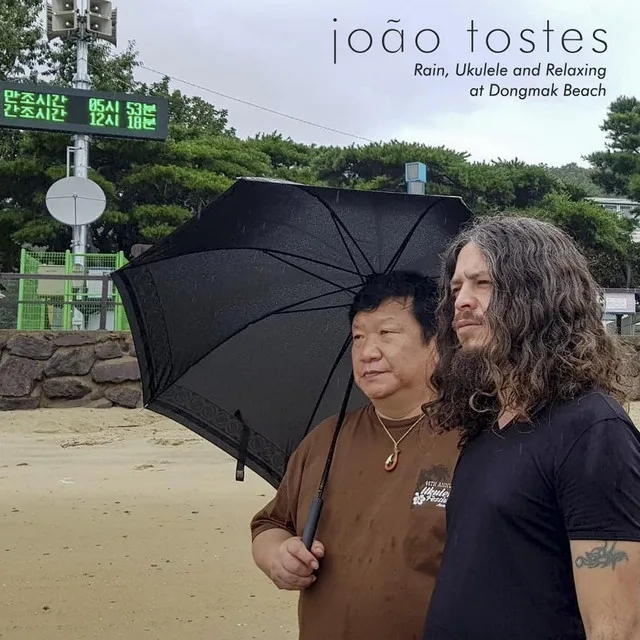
(23,182)
(191,116)
(484,187)
(289,160)
(617,169)
(22,45)
(151,187)
(508,184)
(22,49)
(577,180)
(381,166)
(603,236)
(157,196)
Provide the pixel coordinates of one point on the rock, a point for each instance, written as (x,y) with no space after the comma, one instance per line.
(108,350)
(74,339)
(19,404)
(68,388)
(33,347)
(123,396)
(121,370)
(73,361)
(5,335)
(18,376)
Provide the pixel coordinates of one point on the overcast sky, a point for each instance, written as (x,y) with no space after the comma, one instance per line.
(280,54)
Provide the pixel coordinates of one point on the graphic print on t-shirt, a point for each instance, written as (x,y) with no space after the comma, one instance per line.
(434,485)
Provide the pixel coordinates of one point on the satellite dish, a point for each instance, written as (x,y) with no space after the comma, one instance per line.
(76,201)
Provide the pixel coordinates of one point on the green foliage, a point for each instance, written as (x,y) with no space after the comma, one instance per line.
(577,180)
(287,160)
(633,186)
(604,237)
(153,187)
(352,166)
(22,46)
(190,116)
(508,185)
(108,71)
(617,168)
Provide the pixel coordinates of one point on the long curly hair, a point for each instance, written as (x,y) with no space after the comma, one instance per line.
(547,340)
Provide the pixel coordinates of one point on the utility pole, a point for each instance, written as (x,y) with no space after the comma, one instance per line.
(81,21)
(81,148)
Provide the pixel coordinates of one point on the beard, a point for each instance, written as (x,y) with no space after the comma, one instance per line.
(468,393)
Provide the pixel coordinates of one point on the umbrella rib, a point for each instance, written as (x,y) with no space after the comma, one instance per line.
(246,326)
(309,273)
(346,246)
(322,263)
(313,260)
(274,313)
(333,306)
(356,273)
(405,242)
(343,349)
(338,222)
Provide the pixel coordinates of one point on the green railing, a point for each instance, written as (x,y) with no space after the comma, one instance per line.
(63,291)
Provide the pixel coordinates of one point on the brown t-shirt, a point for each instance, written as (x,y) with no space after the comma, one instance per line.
(383,532)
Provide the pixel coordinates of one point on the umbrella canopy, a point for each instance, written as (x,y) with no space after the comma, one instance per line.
(240,316)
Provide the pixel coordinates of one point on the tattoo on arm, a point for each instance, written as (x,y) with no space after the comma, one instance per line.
(601,557)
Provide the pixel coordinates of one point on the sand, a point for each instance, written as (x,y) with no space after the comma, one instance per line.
(122,524)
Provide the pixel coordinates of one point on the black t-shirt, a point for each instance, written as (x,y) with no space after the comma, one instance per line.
(518,496)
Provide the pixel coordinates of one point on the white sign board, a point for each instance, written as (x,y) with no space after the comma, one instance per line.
(619,303)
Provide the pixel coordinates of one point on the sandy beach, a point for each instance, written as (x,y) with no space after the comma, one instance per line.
(122,524)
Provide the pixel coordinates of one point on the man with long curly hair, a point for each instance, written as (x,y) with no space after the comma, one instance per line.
(543,519)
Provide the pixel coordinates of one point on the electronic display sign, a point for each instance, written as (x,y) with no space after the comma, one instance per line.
(98,113)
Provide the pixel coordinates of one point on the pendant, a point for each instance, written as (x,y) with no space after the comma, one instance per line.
(392,461)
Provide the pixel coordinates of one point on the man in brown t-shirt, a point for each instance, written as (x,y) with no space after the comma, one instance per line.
(371,570)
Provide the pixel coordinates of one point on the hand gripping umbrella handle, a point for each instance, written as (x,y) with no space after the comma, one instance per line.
(312,522)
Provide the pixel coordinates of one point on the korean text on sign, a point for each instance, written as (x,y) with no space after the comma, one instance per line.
(104,113)
(49,107)
(141,117)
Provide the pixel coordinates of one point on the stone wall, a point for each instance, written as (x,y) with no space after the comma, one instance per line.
(95,369)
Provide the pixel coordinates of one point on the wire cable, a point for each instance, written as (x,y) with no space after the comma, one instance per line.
(254,105)
(246,102)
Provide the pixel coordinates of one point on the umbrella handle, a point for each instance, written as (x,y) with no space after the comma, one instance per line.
(312,522)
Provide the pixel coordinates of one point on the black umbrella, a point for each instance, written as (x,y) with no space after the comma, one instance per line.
(239,317)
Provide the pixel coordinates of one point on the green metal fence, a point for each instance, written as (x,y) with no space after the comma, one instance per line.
(66,303)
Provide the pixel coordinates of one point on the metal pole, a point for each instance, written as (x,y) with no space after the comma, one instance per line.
(81,154)
(81,80)
(104,299)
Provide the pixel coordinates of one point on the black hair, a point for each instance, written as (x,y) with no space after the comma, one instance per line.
(400,284)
